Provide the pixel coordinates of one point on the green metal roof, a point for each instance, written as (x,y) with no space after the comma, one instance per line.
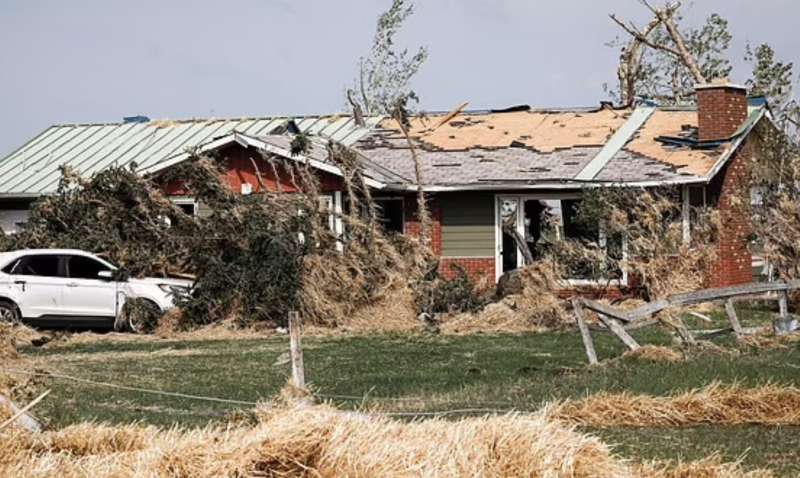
(33,169)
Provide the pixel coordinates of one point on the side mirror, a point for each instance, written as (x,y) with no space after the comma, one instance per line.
(121,275)
(105,275)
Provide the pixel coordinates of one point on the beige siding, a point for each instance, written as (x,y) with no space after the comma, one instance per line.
(203,210)
(467,224)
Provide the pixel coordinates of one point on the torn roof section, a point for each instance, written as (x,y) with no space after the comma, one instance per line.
(518,148)
(544,149)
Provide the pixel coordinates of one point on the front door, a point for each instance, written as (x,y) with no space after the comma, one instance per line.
(87,295)
(506,220)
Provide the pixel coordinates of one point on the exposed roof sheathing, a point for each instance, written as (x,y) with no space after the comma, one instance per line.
(542,131)
(672,123)
(461,149)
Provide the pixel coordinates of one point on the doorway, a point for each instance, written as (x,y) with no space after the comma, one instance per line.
(534,219)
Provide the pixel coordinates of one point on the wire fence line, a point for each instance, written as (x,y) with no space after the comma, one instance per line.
(365,398)
(128,388)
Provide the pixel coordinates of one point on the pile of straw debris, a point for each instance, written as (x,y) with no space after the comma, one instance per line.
(321,442)
(716,403)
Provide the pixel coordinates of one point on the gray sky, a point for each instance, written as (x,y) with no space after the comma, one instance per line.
(99,60)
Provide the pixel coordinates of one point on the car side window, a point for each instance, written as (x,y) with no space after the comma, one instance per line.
(82,267)
(38,265)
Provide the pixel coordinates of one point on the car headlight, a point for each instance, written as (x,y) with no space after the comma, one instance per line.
(173,289)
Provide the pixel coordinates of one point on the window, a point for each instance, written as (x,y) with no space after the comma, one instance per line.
(81,267)
(541,221)
(390,214)
(37,265)
(694,198)
(592,233)
(187,205)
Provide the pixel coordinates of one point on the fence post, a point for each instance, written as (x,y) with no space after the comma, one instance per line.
(296,350)
(785,323)
(730,310)
(585,334)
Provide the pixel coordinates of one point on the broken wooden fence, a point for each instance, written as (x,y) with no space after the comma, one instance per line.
(620,322)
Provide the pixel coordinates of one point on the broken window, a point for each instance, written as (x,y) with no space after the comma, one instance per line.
(542,221)
(547,221)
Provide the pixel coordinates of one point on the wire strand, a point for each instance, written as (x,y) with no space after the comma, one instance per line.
(129,388)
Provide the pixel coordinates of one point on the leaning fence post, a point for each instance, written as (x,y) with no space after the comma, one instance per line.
(296,350)
(785,323)
(730,310)
(585,334)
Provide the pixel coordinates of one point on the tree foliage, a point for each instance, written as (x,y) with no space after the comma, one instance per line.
(385,75)
(663,75)
(115,214)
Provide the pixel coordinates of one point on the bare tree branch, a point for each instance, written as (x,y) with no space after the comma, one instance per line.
(630,64)
(631,30)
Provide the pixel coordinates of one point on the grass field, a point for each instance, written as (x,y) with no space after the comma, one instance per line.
(421,373)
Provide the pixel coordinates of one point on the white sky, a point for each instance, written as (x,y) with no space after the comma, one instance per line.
(100,60)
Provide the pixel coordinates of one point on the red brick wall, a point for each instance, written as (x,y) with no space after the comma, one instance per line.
(239,169)
(730,192)
(412,224)
(721,110)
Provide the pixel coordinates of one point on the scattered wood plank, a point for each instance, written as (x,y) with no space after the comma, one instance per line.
(606,310)
(700,316)
(635,325)
(21,416)
(730,310)
(585,334)
(618,330)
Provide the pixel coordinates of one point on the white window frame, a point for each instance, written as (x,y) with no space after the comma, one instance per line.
(187,201)
(686,209)
(521,198)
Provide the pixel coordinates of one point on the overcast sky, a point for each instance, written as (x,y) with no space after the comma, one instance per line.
(100,60)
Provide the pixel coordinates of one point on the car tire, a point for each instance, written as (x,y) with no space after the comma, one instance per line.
(9,312)
(142,317)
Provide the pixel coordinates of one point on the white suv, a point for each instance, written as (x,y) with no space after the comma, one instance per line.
(73,288)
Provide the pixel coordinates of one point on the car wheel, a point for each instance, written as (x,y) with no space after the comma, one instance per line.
(9,313)
(141,315)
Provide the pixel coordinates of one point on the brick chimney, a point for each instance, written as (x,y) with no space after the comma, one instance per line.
(721,109)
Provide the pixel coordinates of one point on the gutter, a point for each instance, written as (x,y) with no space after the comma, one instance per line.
(565,184)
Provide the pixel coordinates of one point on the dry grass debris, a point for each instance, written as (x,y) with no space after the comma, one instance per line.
(711,467)
(714,404)
(316,441)
(768,340)
(654,353)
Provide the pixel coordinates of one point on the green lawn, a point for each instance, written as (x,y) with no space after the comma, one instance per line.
(428,372)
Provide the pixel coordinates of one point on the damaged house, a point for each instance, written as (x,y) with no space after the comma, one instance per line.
(481,170)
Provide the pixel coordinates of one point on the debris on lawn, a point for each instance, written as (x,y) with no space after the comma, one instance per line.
(713,404)
(654,353)
(768,340)
(323,442)
(710,467)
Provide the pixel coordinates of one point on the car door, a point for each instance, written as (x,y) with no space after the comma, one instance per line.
(41,282)
(86,294)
